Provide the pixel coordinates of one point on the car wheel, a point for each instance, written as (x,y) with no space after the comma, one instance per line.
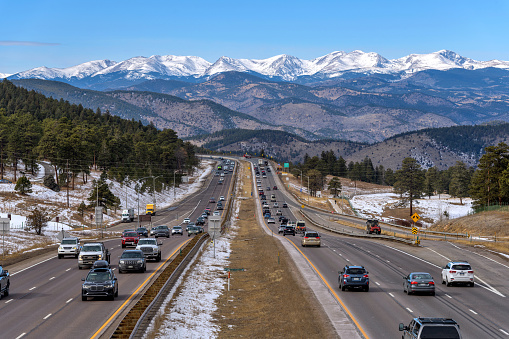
(159,257)
(168,236)
(60,256)
(116,293)
(120,271)
(472,284)
(447,283)
(79,267)
(443,281)
(433,293)
(366,289)
(343,287)
(112,297)
(6,292)
(83,298)
(123,246)
(408,292)
(76,256)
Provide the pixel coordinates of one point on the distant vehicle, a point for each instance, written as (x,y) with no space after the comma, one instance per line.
(150,248)
(260,162)
(130,239)
(142,231)
(151,209)
(279,212)
(419,282)
(285,205)
(267,215)
(247,156)
(268,188)
(100,282)
(372,226)
(458,272)
(162,231)
(5,282)
(177,230)
(69,246)
(212,200)
(221,198)
(217,213)
(128,215)
(276,205)
(289,230)
(193,230)
(274,188)
(281,228)
(132,260)
(310,238)
(353,277)
(200,221)
(431,328)
(271,220)
(207,210)
(186,221)
(204,215)
(300,226)
(5,181)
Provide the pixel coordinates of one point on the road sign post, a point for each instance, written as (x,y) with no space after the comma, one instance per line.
(214,230)
(5,227)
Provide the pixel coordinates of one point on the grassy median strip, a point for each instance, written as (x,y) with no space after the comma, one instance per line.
(268,298)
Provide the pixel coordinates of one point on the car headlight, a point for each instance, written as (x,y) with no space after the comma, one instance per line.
(60,248)
(139,261)
(100,257)
(81,257)
(74,248)
(122,262)
(86,287)
(108,286)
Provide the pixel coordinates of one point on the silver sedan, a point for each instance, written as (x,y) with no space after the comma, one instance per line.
(419,282)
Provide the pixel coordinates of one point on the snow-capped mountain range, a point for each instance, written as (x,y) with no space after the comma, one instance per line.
(280,67)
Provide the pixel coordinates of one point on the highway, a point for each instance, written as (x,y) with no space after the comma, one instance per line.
(481,311)
(45,298)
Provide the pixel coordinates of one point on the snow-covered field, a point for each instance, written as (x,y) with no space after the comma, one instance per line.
(56,202)
(435,209)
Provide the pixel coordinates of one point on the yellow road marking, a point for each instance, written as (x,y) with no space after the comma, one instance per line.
(326,283)
(132,295)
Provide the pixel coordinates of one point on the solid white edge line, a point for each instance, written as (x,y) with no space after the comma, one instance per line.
(501,330)
(443,256)
(21,335)
(46,317)
(26,268)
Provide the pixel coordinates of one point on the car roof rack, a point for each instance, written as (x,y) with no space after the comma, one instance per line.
(437,320)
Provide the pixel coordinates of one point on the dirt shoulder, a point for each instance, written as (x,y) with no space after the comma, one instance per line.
(269,298)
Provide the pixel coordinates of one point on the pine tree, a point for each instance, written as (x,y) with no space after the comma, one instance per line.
(101,194)
(460,180)
(431,181)
(410,179)
(23,186)
(335,186)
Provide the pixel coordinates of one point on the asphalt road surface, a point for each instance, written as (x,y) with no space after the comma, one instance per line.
(481,311)
(45,299)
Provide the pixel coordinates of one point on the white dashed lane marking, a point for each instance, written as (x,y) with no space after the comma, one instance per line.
(68,301)
(51,278)
(448,296)
(32,288)
(46,317)
(409,310)
(501,330)
(20,336)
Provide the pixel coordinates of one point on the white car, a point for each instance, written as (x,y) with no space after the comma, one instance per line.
(271,220)
(265,205)
(276,205)
(187,221)
(258,181)
(221,198)
(458,272)
(216,213)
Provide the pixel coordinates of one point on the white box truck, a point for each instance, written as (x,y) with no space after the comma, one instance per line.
(128,215)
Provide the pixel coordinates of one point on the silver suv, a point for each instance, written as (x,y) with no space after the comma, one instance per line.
(458,272)
(69,246)
(431,328)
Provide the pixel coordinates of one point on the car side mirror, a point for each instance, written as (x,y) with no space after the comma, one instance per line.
(82,279)
(402,327)
(160,243)
(115,278)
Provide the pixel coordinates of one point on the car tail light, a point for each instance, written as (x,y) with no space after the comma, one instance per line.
(471,272)
(346,275)
(305,237)
(317,237)
(366,276)
(432,283)
(414,283)
(453,271)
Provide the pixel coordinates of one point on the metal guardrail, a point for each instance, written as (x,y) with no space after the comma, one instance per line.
(357,235)
(136,321)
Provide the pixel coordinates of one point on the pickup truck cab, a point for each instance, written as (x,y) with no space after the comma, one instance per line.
(130,239)
(150,248)
(91,252)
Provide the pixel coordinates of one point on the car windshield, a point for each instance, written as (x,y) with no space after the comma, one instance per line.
(68,242)
(99,276)
(421,276)
(147,242)
(461,267)
(356,271)
(177,227)
(141,229)
(91,248)
(163,227)
(130,234)
(440,332)
(131,255)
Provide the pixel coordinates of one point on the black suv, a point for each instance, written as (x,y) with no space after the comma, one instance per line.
(132,260)
(289,230)
(354,277)
(431,328)
(100,282)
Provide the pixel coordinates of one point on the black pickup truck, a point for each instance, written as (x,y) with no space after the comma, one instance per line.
(4,282)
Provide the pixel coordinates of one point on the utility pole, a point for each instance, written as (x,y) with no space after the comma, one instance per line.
(309,192)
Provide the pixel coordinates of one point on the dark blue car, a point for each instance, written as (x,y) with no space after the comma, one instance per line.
(354,277)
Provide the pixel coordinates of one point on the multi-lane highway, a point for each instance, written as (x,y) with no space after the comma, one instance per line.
(45,297)
(481,311)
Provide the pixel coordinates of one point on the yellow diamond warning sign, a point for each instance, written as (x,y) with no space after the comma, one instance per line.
(415,217)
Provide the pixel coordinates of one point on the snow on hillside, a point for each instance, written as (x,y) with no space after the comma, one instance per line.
(14,204)
(374,205)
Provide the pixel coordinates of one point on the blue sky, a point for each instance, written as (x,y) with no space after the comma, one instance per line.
(57,33)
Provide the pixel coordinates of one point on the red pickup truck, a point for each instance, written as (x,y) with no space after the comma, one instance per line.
(130,239)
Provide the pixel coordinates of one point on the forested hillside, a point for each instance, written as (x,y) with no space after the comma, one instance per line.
(34,127)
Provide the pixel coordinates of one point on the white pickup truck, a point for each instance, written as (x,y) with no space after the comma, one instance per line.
(69,246)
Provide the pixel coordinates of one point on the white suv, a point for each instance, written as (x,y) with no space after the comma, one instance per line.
(458,272)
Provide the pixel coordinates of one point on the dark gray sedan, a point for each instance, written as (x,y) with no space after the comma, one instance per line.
(419,282)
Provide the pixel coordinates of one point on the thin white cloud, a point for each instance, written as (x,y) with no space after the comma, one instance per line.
(27,43)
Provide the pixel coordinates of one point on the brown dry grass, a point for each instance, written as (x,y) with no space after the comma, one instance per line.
(266,300)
